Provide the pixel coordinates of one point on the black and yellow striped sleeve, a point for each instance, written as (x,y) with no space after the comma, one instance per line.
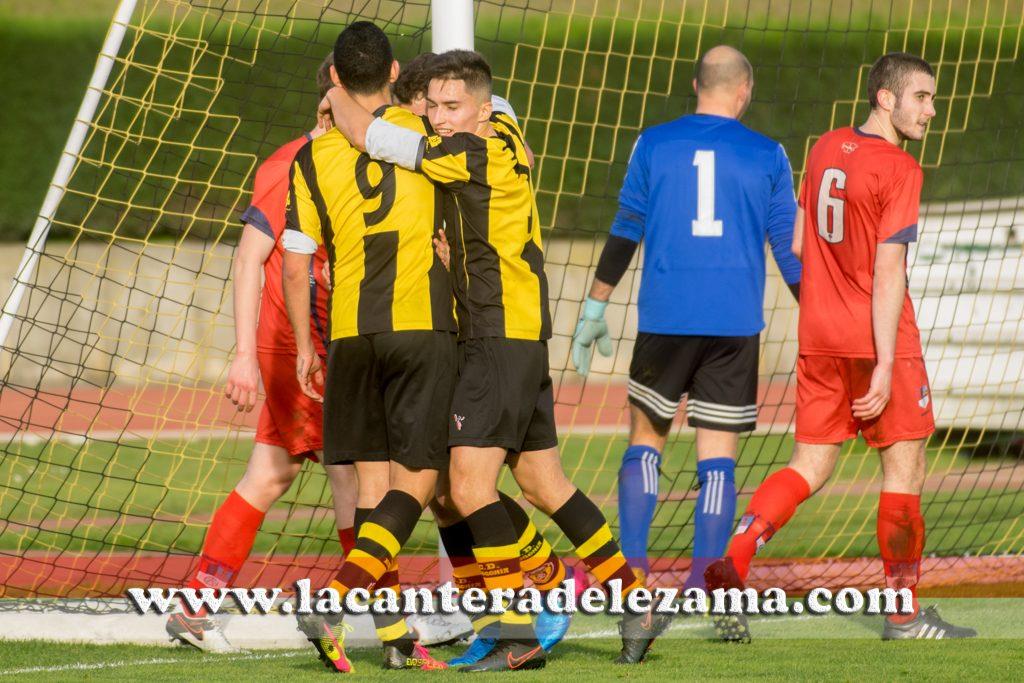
(301,214)
(452,161)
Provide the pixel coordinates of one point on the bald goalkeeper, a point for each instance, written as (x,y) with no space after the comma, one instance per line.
(704,192)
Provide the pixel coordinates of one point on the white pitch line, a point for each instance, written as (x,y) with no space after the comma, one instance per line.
(143,662)
(685,626)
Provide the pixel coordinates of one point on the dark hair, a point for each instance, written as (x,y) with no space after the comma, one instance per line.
(323,75)
(414,78)
(463,65)
(892,71)
(362,57)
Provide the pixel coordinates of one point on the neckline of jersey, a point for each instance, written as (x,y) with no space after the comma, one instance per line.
(715,117)
(861,133)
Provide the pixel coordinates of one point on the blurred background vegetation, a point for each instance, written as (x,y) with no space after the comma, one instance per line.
(584,83)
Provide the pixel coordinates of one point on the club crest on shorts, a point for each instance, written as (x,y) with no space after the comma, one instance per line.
(458,420)
(925,397)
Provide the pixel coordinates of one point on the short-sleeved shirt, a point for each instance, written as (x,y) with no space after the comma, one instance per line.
(377,222)
(266,213)
(859,191)
(497,255)
(704,192)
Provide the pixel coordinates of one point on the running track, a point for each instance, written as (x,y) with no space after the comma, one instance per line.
(125,413)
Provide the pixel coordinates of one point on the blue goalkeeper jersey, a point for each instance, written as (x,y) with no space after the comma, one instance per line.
(703,193)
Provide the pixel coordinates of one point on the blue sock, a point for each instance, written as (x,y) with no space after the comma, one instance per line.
(713,517)
(638,495)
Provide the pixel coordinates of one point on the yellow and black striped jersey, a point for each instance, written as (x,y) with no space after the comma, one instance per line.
(377,222)
(496,252)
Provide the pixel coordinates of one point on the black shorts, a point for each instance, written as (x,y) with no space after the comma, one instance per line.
(503,396)
(386,397)
(718,374)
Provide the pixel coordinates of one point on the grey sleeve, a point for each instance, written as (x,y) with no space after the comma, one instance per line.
(400,146)
(500,104)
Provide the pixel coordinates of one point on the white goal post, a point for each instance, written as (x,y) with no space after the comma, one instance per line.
(76,138)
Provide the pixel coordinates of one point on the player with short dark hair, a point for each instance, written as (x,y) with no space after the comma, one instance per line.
(289,426)
(704,193)
(860,368)
(410,88)
(391,358)
(503,408)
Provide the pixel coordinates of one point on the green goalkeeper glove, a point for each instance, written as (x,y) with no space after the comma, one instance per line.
(592,327)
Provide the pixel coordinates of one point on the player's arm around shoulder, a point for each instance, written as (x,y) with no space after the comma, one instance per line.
(398,137)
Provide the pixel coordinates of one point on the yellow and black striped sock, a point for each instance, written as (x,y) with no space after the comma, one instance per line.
(497,552)
(380,538)
(586,528)
(537,558)
(392,629)
(458,544)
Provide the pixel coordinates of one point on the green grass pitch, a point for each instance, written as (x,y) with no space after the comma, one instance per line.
(792,648)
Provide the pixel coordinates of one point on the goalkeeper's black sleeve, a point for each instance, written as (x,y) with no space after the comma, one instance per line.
(615,258)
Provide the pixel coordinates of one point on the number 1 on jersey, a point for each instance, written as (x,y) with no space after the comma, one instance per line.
(705,225)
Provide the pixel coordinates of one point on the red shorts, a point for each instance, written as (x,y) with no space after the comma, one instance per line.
(289,418)
(827,386)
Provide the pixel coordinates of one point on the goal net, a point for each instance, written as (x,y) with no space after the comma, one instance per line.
(118,445)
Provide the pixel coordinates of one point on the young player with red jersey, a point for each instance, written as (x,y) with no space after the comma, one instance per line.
(289,428)
(860,367)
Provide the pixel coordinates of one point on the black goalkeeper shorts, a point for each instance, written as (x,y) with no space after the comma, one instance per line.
(718,375)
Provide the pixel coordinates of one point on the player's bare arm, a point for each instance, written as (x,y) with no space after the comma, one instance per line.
(600,290)
(890,287)
(798,234)
(296,299)
(244,374)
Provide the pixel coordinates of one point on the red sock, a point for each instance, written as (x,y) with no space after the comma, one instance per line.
(228,543)
(348,539)
(901,542)
(774,502)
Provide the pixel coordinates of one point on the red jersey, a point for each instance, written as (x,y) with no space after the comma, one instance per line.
(266,214)
(859,190)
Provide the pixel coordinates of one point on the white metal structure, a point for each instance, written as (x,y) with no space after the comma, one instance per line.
(37,240)
(458,25)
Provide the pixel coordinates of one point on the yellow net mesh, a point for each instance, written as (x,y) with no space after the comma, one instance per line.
(118,445)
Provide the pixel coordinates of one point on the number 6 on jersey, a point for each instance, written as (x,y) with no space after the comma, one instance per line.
(826,201)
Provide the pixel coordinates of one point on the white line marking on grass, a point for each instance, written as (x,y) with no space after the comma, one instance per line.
(143,662)
(685,626)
